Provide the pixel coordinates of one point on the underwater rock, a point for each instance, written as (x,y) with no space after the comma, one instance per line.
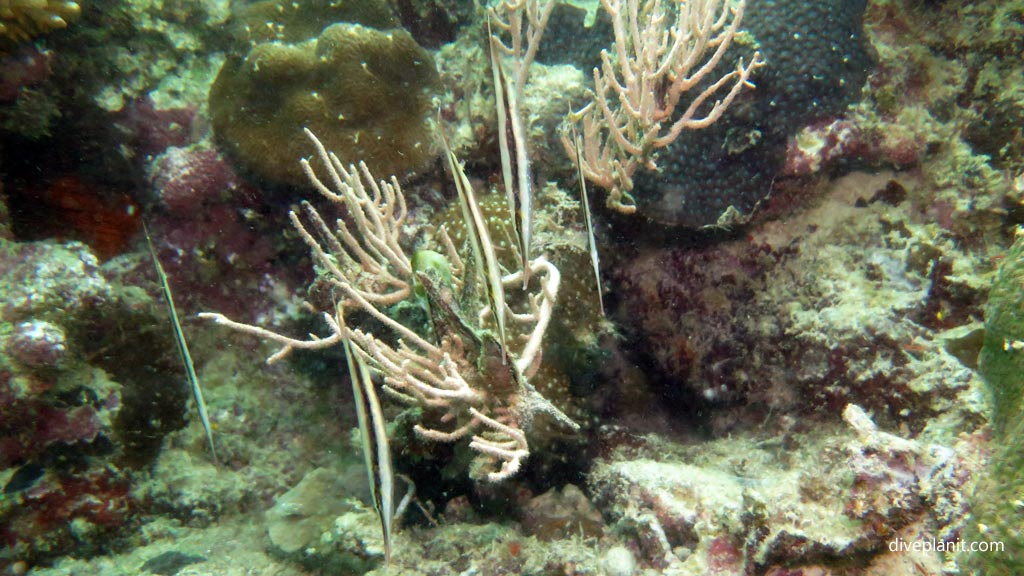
(316,524)
(70,116)
(303,513)
(819,147)
(841,303)
(215,234)
(128,50)
(87,389)
(50,282)
(986,37)
(677,507)
(37,344)
(618,561)
(366,92)
(736,506)
(82,513)
(191,489)
(557,512)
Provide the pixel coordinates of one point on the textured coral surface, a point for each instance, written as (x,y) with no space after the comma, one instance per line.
(817,60)
(365,90)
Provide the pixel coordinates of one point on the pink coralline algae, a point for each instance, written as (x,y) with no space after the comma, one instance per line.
(186,178)
(37,344)
(87,389)
(37,412)
(213,230)
(150,130)
(41,406)
(33,426)
(822,146)
(99,500)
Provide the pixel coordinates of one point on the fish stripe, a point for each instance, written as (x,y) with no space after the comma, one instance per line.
(179,339)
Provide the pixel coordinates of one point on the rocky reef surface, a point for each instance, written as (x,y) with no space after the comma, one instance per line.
(797,394)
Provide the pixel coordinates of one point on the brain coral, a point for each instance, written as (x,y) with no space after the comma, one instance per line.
(22,20)
(365,92)
(295,21)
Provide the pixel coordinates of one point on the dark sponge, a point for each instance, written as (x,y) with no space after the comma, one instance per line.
(817,57)
(817,60)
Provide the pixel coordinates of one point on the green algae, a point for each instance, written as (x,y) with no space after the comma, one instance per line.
(999,498)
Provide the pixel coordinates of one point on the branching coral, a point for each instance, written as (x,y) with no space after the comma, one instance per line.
(659,56)
(469,383)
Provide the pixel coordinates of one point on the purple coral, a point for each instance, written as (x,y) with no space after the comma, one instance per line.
(211,232)
(185,178)
(150,130)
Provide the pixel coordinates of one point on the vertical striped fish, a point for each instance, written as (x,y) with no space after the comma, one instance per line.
(595,261)
(372,432)
(484,258)
(179,339)
(500,86)
(514,157)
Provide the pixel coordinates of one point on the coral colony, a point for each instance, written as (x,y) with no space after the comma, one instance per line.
(370,268)
(479,384)
(619,287)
